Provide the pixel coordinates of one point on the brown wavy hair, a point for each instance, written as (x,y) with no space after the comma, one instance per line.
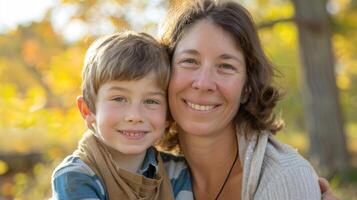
(123,56)
(260,96)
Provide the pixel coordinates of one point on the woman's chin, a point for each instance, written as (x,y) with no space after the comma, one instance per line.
(198,129)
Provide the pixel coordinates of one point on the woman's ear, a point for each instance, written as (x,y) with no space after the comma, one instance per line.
(245,94)
(167,123)
(86,113)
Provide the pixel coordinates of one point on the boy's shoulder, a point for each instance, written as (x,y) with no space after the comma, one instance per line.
(174,165)
(74,179)
(167,157)
(73,164)
(179,175)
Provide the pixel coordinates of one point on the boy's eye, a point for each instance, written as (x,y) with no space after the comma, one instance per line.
(119,99)
(151,101)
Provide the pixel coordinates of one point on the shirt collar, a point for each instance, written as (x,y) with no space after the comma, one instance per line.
(149,168)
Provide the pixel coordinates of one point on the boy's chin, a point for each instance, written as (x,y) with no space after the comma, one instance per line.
(132,150)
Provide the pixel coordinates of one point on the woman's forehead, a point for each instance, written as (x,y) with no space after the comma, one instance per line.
(205,35)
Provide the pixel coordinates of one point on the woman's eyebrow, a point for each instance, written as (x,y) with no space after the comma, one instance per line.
(189,51)
(230,56)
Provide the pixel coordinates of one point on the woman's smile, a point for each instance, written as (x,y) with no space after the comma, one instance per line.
(202,107)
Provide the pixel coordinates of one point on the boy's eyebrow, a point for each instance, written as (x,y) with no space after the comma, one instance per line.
(152,93)
(118,88)
(157,94)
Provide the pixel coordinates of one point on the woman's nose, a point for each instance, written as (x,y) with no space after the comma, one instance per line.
(204,79)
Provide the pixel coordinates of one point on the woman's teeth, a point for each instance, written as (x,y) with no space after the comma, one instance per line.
(200,107)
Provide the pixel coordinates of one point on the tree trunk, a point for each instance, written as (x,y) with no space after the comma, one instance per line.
(321,102)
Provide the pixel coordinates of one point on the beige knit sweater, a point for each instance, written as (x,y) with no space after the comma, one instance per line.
(275,171)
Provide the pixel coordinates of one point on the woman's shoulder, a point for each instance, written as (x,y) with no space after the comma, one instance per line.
(282,156)
(285,172)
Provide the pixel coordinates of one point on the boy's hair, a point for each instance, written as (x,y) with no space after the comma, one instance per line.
(123,56)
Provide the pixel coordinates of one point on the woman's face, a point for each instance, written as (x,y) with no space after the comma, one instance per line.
(208,76)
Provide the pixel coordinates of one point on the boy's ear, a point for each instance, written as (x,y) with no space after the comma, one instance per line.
(86,113)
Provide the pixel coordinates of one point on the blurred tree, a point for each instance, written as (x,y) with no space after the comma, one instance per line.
(320,94)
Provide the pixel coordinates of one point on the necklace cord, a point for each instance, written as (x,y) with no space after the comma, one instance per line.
(225,180)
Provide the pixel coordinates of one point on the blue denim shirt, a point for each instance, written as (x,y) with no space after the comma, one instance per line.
(179,175)
(73,179)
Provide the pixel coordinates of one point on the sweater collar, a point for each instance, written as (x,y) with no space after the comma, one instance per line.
(251,154)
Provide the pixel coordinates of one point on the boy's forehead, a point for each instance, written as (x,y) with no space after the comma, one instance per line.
(147,84)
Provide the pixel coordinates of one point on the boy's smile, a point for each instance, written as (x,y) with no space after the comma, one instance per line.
(131,115)
(133,134)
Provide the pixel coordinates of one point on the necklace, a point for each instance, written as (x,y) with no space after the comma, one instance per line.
(225,180)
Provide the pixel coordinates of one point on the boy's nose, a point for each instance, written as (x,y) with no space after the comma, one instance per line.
(133,115)
(133,120)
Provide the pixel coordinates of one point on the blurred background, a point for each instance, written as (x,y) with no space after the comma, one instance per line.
(313,44)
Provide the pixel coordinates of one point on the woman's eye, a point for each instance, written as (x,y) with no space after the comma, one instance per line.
(119,99)
(151,101)
(188,61)
(227,68)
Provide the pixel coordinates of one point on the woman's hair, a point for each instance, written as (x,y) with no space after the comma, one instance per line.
(256,113)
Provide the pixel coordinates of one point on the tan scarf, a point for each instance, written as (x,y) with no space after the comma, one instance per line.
(119,183)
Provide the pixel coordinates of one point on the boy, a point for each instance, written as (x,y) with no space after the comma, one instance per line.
(124,105)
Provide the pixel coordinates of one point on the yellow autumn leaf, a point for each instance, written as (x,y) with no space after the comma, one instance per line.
(30,51)
(7,189)
(3,167)
(54,153)
(343,82)
(8,91)
(121,23)
(263,2)
(21,178)
(21,146)
(281,11)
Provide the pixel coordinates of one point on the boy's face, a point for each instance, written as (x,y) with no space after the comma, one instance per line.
(131,115)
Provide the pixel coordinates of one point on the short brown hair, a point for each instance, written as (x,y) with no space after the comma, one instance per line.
(257,112)
(123,56)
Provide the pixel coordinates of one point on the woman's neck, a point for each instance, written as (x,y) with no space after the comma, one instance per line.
(207,154)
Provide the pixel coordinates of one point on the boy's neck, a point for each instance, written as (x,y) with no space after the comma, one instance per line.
(129,162)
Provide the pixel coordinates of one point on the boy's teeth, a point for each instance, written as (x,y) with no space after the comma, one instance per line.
(200,107)
(132,134)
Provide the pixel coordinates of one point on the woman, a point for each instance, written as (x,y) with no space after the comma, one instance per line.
(222,99)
